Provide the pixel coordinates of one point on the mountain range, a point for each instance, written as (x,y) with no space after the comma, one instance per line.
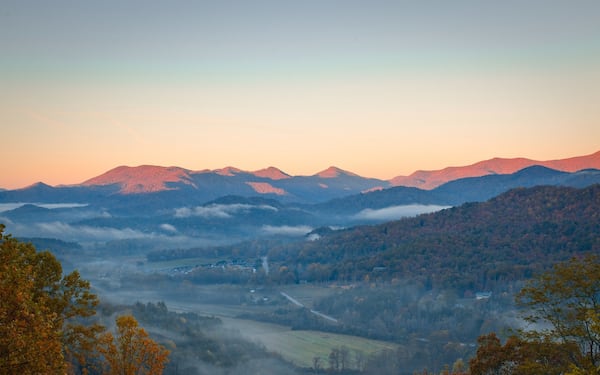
(328,184)
(229,204)
(153,178)
(271,180)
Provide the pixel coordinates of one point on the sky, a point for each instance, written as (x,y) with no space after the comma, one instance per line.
(379,88)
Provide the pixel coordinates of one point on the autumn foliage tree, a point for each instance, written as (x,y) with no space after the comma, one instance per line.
(30,339)
(43,327)
(131,351)
(39,309)
(563,306)
(567,299)
(519,356)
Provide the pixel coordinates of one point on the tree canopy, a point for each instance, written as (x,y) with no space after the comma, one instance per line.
(35,302)
(42,317)
(131,351)
(563,308)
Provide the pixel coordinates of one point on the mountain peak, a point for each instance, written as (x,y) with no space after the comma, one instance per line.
(38,185)
(271,173)
(333,172)
(228,171)
(141,179)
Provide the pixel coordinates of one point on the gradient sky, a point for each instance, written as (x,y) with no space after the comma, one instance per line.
(380,88)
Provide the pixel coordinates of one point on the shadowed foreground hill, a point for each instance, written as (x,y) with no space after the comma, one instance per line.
(471,247)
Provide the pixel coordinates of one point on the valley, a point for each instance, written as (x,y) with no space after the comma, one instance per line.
(394,278)
(300,187)
(300,347)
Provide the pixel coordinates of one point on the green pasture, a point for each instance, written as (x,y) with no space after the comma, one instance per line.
(301,347)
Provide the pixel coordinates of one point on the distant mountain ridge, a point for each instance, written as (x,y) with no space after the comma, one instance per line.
(211,206)
(271,180)
(148,178)
(432,179)
(456,192)
(152,178)
(130,186)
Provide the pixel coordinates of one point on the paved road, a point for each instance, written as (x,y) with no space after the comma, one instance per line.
(300,304)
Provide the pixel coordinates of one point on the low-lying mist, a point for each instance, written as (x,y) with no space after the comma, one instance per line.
(396,212)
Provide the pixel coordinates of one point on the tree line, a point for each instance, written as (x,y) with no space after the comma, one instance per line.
(562,306)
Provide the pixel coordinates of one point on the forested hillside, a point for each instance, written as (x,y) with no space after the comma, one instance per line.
(471,247)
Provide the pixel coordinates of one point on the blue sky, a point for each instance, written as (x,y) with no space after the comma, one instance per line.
(380,88)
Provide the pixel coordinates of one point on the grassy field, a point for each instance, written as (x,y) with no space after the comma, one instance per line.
(300,347)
